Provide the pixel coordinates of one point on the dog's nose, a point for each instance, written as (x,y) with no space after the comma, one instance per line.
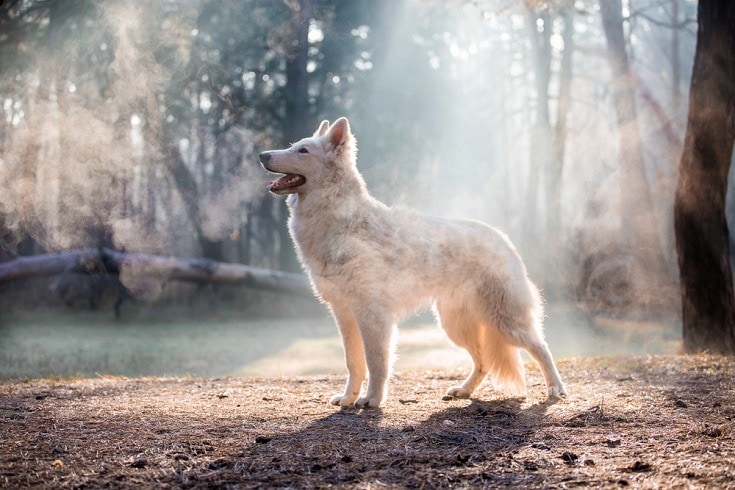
(265,156)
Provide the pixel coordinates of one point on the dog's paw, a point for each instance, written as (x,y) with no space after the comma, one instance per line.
(458,392)
(369,402)
(343,400)
(557,391)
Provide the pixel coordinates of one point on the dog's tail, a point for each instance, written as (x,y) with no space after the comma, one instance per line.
(505,367)
(518,325)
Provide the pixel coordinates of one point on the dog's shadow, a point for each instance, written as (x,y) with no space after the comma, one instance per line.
(348,444)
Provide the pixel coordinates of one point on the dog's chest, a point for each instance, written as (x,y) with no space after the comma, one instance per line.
(324,244)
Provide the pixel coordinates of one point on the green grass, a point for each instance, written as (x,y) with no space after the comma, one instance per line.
(92,344)
(87,344)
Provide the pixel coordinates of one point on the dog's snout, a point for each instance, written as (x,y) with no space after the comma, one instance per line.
(265,157)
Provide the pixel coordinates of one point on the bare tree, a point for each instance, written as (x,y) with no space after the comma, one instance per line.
(702,236)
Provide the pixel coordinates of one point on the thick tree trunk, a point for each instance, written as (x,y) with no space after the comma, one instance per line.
(91,260)
(702,237)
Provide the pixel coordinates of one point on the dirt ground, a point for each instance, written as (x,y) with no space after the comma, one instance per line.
(643,422)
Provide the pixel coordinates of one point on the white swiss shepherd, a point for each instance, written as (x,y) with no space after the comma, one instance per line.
(373,265)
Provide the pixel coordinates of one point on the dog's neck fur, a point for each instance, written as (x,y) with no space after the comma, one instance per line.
(329,209)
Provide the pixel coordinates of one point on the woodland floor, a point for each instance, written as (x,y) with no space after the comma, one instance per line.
(643,422)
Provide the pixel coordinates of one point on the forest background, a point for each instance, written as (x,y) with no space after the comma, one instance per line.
(135,125)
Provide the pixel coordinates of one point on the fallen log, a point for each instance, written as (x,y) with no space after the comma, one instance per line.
(48,264)
(92,260)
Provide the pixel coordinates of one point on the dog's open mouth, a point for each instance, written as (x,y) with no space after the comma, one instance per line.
(287,183)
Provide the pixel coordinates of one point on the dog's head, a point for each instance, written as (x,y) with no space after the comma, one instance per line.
(311,161)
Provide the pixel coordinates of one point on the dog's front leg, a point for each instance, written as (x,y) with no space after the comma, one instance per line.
(377,337)
(354,355)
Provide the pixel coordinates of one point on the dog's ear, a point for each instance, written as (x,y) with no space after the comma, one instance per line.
(339,132)
(323,128)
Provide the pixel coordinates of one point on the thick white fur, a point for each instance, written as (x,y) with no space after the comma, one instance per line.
(373,265)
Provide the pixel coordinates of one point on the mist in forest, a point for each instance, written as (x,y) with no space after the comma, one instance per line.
(136,125)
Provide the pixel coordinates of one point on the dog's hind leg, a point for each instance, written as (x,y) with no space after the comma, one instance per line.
(476,377)
(377,331)
(464,331)
(354,355)
(522,331)
(538,349)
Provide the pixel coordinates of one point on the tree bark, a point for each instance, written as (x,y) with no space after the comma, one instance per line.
(91,260)
(702,236)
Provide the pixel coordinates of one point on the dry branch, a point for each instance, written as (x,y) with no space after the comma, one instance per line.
(91,260)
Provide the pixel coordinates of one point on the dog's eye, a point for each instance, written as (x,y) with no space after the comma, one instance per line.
(303,150)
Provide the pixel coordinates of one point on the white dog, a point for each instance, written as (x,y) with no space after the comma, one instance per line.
(373,265)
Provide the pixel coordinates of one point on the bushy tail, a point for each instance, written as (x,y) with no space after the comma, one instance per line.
(505,367)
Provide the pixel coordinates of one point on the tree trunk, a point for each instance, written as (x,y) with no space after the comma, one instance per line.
(548,143)
(637,213)
(702,237)
(541,130)
(564,102)
(675,60)
(189,191)
(297,117)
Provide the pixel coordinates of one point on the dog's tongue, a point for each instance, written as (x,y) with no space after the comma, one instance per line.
(286,182)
